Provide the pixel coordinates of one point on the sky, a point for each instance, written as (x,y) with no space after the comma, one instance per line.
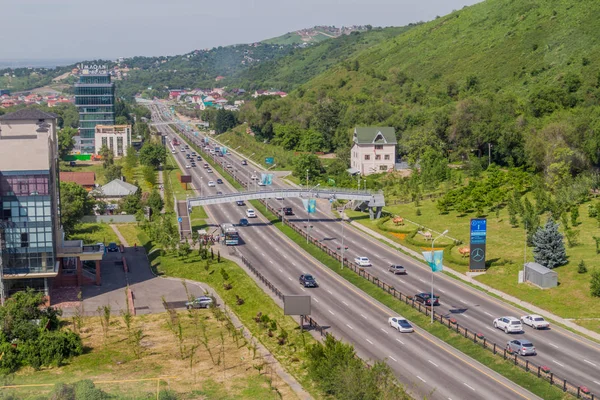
(86,30)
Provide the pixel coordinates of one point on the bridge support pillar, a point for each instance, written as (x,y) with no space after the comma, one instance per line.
(375,214)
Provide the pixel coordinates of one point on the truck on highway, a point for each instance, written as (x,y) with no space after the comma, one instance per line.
(231,237)
(175,142)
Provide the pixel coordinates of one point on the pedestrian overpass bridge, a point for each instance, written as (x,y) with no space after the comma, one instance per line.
(375,201)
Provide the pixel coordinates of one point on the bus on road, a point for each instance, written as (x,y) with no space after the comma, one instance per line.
(231,236)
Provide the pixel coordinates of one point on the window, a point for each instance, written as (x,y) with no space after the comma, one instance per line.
(387,157)
(378,147)
(378,157)
(24,240)
(367,157)
(383,167)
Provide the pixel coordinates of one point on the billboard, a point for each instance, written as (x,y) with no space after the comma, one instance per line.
(310,205)
(269,160)
(296,305)
(185,178)
(478,235)
(266,179)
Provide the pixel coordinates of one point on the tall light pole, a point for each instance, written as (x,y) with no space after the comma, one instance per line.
(308,208)
(431,299)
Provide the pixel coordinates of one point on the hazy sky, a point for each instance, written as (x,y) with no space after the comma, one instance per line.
(84,29)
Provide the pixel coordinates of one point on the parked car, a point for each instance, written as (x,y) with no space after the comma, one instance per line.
(401,324)
(521,346)
(243,222)
(508,324)
(244,162)
(101,247)
(535,321)
(307,280)
(211,184)
(363,261)
(112,247)
(425,298)
(250,213)
(219,180)
(240,203)
(397,269)
(199,302)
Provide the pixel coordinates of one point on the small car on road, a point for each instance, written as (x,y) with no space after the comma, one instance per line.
(254,177)
(400,324)
(508,324)
(363,261)
(112,247)
(199,302)
(397,269)
(240,203)
(521,346)
(187,166)
(425,298)
(219,181)
(308,280)
(535,321)
(209,170)
(243,222)
(211,184)
(244,162)
(250,213)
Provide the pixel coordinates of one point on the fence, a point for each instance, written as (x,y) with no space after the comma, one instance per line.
(108,219)
(541,371)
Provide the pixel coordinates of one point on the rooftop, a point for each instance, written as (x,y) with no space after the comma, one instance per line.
(27,114)
(118,188)
(81,178)
(375,135)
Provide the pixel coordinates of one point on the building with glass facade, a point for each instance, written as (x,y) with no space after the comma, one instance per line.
(32,249)
(95,100)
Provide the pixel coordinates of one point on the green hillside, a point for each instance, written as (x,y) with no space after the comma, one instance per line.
(288,38)
(302,65)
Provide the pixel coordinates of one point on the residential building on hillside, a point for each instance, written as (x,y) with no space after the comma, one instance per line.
(33,253)
(116,137)
(373,151)
(95,101)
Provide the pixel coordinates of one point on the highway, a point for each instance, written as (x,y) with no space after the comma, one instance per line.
(427,366)
(569,355)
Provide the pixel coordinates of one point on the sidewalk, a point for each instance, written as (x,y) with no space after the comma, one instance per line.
(480,285)
(121,238)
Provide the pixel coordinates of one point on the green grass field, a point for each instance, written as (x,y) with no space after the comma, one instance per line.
(94,233)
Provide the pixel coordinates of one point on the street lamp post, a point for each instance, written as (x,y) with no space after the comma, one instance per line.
(342,248)
(308,208)
(431,299)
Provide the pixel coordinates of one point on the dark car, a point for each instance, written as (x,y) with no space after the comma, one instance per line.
(72,163)
(425,298)
(244,162)
(243,222)
(288,211)
(240,203)
(198,158)
(307,280)
(112,247)
(200,302)
(219,193)
(193,164)
(219,180)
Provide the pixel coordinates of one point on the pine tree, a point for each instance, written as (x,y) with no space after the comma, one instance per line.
(595,283)
(549,248)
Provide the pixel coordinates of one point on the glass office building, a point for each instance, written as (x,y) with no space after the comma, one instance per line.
(95,100)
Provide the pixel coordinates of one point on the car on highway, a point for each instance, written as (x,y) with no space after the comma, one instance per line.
(243,222)
(508,324)
(198,158)
(206,165)
(254,177)
(240,203)
(199,302)
(244,162)
(173,151)
(211,184)
(308,280)
(535,321)
(212,151)
(261,183)
(362,261)
(401,324)
(278,197)
(112,247)
(219,193)
(229,165)
(521,346)
(250,213)
(288,211)
(425,298)
(209,170)
(397,269)
(220,181)
(193,164)
(187,166)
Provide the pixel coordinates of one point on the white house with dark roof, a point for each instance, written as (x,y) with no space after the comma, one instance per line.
(115,190)
(374,150)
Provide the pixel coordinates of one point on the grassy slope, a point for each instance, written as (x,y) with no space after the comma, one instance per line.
(288,38)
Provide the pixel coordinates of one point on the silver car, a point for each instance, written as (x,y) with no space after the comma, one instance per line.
(521,346)
(397,269)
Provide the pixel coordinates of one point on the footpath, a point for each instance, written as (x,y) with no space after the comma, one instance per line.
(469,279)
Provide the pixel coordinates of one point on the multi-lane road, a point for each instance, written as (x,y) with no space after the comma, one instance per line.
(428,366)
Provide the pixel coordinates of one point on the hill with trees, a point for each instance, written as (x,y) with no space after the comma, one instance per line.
(316,34)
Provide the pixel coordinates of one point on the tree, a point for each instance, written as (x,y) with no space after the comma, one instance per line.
(309,162)
(595,283)
(549,248)
(581,268)
(152,154)
(66,141)
(574,215)
(113,172)
(108,158)
(131,204)
(75,202)
(155,202)
(224,121)
(130,159)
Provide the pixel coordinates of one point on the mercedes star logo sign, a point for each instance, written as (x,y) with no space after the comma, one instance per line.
(478,255)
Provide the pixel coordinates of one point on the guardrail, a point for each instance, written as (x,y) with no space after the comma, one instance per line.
(541,371)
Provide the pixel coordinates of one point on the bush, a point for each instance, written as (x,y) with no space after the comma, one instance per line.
(582,269)
(595,283)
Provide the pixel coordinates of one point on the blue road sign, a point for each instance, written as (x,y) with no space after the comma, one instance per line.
(478,230)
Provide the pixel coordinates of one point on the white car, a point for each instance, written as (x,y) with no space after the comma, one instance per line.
(535,321)
(187,166)
(209,170)
(254,177)
(401,324)
(250,213)
(261,183)
(211,184)
(362,261)
(278,197)
(508,324)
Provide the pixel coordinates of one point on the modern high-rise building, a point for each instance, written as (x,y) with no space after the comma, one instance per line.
(33,252)
(95,100)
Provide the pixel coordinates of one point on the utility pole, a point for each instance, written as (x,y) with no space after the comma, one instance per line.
(489,154)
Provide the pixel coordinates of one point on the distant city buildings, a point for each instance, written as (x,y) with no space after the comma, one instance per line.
(95,101)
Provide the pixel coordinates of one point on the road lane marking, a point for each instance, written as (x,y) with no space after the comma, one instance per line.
(315,299)
(290,278)
(553,345)
(271,261)
(345,303)
(589,362)
(468,386)
(367,339)
(331,312)
(329,291)
(597,383)
(490,328)
(384,331)
(424,381)
(487,313)
(462,301)
(280,270)
(422,280)
(302,289)
(431,362)
(392,358)
(263,254)
(556,362)
(465,315)
(363,316)
(349,327)
(398,340)
(443,291)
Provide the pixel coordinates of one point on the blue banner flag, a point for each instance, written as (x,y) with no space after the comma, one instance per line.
(312,206)
(269,160)
(434,262)
(266,179)
(305,203)
(223,150)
